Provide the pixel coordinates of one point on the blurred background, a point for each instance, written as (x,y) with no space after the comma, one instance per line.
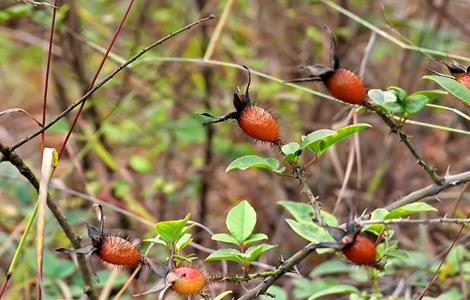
(139,145)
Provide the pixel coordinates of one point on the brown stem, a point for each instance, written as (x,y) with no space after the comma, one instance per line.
(407,141)
(106,79)
(15,160)
(208,131)
(449,181)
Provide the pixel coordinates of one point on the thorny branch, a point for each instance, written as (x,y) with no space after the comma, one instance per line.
(17,161)
(9,155)
(431,190)
(106,79)
(407,141)
(417,221)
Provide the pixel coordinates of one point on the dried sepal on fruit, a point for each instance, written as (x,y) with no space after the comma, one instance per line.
(112,249)
(459,72)
(184,281)
(341,83)
(255,121)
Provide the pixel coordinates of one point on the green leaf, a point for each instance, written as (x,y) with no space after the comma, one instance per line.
(183,242)
(329,218)
(291,151)
(226,254)
(277,292)
(225,238)
(338,289)
(378,214)
(241,220)
(409,209)
(319,141)
(385,99)
(253,161)
(315,137)
(222,295)
(310,231)
(156,240)
(452,86)
(431,94)
(19,10)
(140,164)
(254,252)
(301,212)
(171,231)
(415,103)
(255,237)
(399,92)
(331,267)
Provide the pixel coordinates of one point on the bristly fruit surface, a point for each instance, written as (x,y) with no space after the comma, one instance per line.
(191,281)
(341,83)
(118,251)
(346,86)
(254,121)
(259,124)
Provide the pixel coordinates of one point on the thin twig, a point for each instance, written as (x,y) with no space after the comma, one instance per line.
(106,79)
(218,30)
(48,68)
(389,37)
(300,174)
(444,220)
(279,271)
(449,181)
(407,141)
(95,77)
(433,278)
(18,162)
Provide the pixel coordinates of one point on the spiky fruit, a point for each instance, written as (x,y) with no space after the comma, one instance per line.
(118,251)
(361,251)
(253,120)
(346,86)
(190,281)
(259,124)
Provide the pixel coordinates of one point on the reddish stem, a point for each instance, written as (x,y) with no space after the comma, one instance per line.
(92,83)
(48,68)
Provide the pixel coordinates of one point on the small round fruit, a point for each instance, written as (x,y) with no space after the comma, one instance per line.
(464,79)
(346,86)
(190,281)
(118,251)
(259,124)
(361,252)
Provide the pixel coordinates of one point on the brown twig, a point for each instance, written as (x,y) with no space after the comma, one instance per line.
(15,160)
(407,141)
(207,75)
(95,77)
(106,79)
(449,181)
(433,278)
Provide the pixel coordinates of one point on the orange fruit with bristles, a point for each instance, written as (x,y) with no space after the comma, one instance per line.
(118,251)
(464,79)
(191,281)
(259,124)
(361,252)
(346,86)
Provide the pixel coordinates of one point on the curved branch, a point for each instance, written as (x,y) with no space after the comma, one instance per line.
(431,190)
(106,79)
(17,161)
